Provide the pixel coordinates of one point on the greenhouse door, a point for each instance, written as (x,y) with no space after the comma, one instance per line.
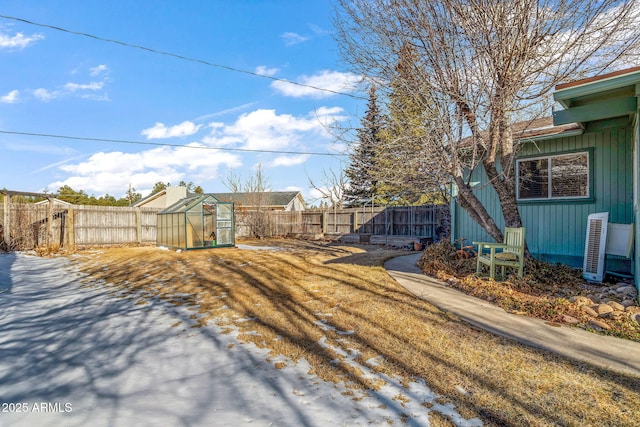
(224,223)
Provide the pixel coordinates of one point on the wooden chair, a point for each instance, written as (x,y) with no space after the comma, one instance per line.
(507,254)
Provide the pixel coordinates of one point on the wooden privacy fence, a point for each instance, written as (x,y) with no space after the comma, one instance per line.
(27,225)
(408,221)
(96,225)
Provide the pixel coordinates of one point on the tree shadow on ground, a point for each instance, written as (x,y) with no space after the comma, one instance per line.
(7,259)
(303,305)
(118,359)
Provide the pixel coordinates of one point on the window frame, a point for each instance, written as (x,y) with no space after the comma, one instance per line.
(590,197)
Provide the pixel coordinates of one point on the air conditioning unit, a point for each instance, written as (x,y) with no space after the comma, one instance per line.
(594,249)
(619,239)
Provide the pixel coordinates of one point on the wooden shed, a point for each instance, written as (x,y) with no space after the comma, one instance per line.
(197,222)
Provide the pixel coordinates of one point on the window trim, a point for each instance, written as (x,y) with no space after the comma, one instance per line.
(590,197)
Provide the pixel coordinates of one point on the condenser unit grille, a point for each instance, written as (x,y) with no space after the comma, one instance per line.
(593,245)
(596,239)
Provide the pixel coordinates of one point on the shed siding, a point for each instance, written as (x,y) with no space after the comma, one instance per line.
(555,231)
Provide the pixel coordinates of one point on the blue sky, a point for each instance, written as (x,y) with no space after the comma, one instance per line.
(57,83)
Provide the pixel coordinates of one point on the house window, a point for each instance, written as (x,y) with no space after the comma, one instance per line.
(562,176)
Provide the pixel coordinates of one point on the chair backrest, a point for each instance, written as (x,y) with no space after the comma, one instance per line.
(514,237)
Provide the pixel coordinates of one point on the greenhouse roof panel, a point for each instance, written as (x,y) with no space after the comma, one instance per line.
(188,203)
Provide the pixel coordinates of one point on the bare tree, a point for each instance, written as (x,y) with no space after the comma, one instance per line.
(333,187)
(256,183)
(481,66)
(252,210)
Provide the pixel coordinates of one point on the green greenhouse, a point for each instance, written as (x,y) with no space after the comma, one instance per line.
(196,222)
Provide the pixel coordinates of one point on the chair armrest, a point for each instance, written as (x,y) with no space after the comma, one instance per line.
(490,245)
(493,246)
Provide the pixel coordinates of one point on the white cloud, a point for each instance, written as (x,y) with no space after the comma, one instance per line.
(288,160)
(293,38)
(160,131)
(93,90)
(318,30)
(263,70)
(97,70)
(326,194)
(18,41)
(94,86)
(10,98)
(86,91)
(266,130)
(320,85)
(44,94)
(330,113)
(112,172)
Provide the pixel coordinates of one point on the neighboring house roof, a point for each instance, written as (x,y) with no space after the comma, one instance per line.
(542,128)
(286,200)
(164,198)
(56,201)
(536,129)
(149,198)
(266,199)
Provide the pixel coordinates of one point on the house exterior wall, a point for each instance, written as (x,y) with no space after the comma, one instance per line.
(296,204)
(636,198)
(159,202)
(555,230)
(165,198)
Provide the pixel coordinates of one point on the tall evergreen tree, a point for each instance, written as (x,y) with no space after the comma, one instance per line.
(158,187)
(407,175)
(361,172)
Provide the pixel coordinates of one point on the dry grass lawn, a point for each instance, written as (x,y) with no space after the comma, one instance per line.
(287,300)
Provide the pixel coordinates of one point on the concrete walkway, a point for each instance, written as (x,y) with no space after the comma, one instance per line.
(604,351)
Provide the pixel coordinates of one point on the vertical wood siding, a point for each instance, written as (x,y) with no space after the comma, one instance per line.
(555,230)
(418,221)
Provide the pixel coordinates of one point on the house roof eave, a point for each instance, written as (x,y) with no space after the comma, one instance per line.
(566,92)
(149,198)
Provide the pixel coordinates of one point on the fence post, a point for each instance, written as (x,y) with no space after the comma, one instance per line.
(7,219)
(49,221)
(138,224)
(355,222)
(71,234)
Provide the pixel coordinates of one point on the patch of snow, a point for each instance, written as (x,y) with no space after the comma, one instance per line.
(260,248)
(245,319)
(374,361)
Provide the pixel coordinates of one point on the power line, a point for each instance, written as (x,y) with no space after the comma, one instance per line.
(178,56)
(164,144)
